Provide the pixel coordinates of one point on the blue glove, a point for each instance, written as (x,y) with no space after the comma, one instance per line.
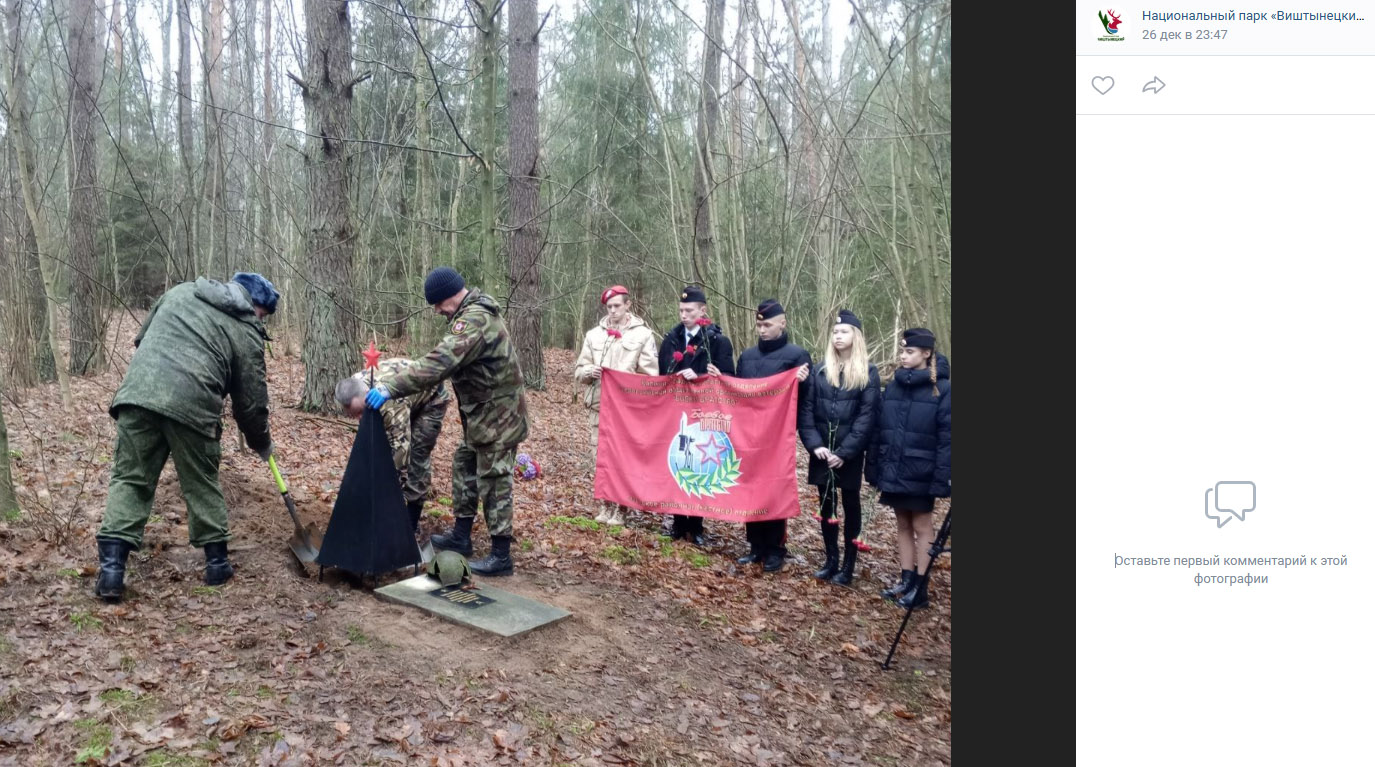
(377,396)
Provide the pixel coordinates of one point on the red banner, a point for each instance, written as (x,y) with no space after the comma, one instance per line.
(717,447)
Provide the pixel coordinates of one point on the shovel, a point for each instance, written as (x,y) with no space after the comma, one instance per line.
(305,542)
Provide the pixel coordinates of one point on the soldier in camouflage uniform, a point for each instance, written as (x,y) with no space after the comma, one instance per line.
(412,422)
(478,357)
(201,342)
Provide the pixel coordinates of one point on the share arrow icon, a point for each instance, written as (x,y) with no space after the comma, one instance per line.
(1155,85)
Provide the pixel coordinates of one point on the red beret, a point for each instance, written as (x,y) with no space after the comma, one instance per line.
(613,291)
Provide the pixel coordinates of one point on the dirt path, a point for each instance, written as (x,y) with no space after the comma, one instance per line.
(672,656)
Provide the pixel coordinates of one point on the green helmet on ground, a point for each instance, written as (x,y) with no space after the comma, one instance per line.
(449,568)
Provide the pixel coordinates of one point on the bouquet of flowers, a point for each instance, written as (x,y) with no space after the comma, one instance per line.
(526,467)
(691,349)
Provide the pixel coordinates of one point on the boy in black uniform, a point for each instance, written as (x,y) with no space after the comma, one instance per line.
(708,343)
(773,355)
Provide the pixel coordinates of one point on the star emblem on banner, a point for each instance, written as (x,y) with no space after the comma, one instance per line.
(711,446)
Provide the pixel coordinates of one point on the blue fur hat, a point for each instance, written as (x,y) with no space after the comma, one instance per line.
(260,291)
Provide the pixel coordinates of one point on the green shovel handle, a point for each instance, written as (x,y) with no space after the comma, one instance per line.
(277,475)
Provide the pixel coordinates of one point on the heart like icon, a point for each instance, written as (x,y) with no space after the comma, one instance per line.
(1102,84)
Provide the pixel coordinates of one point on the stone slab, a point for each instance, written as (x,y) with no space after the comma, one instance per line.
(487,608)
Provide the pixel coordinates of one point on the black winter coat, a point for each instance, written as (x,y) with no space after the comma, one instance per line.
(853,413)
(722,355)
(773,357)
(910,450)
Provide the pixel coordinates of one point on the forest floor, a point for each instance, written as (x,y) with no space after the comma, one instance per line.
(673,655)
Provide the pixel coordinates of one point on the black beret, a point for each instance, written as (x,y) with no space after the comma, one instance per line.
(919,337)
(768,309)
(692,293)
(847,317)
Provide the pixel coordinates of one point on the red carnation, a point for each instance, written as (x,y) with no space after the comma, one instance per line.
(677,356)
(833,521)
(614,333)
(703,322)
(860,545)
(690,350)
(817,517)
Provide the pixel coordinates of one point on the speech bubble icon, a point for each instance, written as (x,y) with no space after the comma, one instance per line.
(1235,498)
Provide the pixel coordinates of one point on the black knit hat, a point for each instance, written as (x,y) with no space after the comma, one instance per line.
(442,283)
(847,317)
(260,291)
(768,309)
(919,337)
(692,293)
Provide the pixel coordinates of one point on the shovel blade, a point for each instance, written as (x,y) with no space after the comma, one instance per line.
(305,544)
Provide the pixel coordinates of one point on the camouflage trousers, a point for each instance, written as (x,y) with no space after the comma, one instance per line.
(143,442)
(415,472)
(488,475)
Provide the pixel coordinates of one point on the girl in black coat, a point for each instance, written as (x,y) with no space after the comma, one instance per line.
(909,457)
(836,422)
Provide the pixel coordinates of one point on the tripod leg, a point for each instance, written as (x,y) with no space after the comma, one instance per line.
(937,548)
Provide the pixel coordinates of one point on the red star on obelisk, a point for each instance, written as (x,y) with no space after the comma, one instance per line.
(371,354)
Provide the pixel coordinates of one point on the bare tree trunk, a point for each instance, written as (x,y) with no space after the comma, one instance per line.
(165,99)
(328,350)
(19,125)
(8,502)
(186,138)
(526,239)
(265,222)
(34,351)
(213,66)
(708,117)
(492,268)
(83,48)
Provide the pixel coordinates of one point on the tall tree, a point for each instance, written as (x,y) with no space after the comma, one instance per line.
(490,34)
(213,65)
(186,142)
(708,118)
(525,237)
(29,302)
(328,350)
(84,50)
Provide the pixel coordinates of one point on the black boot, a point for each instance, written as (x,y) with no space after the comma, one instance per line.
(414,508)
(904,585)
(829,536)
(847,570)
(113,552)
(217,567)
(917,595)
(460,540)
(774,558)
(751,557)
(499,561)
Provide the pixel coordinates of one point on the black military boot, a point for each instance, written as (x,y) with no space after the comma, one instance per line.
(460,540)
(499,561)
(113,552)
(916,595)
(830,536)
(904,585)
(217,567)
(847,569)
(415,508)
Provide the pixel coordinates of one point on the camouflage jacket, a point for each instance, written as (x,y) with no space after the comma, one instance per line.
(398,412)
(636,351)
(480,360)
(200,343)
